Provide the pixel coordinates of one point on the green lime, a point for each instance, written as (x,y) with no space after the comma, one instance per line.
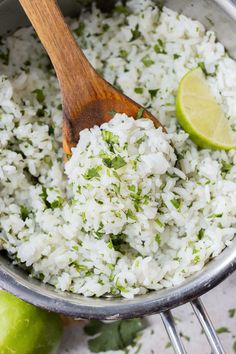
(200,115)
(26,329)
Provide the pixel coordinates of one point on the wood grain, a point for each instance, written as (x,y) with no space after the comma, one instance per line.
(86,97)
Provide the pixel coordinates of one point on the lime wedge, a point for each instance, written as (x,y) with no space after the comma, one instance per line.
(200,115)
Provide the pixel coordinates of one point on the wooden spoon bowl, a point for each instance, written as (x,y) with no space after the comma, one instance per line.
(87,98)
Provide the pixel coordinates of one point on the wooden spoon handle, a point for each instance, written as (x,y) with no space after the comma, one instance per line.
(70,63)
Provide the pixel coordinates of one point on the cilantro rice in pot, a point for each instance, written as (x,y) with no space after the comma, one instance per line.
(134,208)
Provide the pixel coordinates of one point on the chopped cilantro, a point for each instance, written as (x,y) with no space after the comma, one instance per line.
(121,9)
(48,161)
(107,162)
(99,201)
(222,330)
(176,56)
(140,141)
(138,90)
(200,234)
(39,95)
(40,112)
(51,130)
(176,203)
(203,67)
(139,199)
(57,203)
(134,164)
(132,188)
(123,54)
(213,216)
(153,93)
(92,172)
(196,259)
(135,33)
(105,27)
(130,214)
(24,212)
(140,113)
(158,239)
(168,345)
(120,287)
(114,336)
(116,163)
(226,166)
(184,336)
(209,20)
(44,196)
(80,267)
(159,47)
(80,29)
(4,57)
(231,312)
(112,113)
(159,223)
(147,61)
(109,137)
(110,244)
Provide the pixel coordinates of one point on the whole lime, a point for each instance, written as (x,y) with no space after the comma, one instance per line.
(26,329)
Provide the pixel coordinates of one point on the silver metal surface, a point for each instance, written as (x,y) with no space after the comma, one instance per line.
(174,336)
(207,326)
(219,15)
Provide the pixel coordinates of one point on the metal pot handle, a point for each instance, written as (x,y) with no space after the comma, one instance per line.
(205,322)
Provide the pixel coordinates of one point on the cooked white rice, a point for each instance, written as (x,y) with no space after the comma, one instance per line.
(130,213)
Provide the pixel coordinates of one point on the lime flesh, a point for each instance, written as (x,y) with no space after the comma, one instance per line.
(200,115)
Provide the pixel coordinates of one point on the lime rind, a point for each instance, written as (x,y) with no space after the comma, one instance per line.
(218,133)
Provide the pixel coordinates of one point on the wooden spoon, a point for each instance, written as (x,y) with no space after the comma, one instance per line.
(87,98)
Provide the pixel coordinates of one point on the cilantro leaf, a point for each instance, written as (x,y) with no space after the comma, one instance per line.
(231,312)
(147,61)
(44,196)
(159,47)
(140,113)
(112,336)
(176,56)
(153,93)
(123,54)
(4,57)
(222,330)
(135,33)
(92,172)
(226,166)
(80,29)
(176,203)
(130,214)
(138,90)
(39,95)
(118,162)
(57,203)
(109,137)
(24,212)
(200,234)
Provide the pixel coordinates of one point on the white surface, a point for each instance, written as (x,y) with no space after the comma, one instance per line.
(154,339)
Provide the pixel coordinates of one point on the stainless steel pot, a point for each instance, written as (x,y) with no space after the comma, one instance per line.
(221,16)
